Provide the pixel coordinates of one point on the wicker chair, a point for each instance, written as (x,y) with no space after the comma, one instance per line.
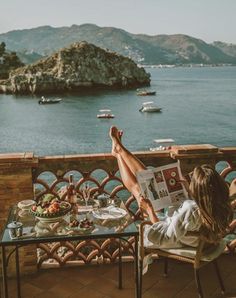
(195,256)
(231,237)
(231,233)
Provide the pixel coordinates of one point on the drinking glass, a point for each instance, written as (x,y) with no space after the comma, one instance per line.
(86,193)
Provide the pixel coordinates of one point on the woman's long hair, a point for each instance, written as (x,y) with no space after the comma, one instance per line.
(211,194)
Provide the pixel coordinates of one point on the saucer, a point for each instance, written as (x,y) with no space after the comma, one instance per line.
(111,213)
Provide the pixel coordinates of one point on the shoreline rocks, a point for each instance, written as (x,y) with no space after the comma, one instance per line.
(80,66)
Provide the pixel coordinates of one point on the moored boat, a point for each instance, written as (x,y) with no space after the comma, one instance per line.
(145,92)
(149,107)
(105,114)
(44,100)
(162,144)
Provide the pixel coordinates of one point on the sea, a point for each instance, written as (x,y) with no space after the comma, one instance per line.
(198,107)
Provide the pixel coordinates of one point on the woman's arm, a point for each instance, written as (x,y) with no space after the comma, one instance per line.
(170,232)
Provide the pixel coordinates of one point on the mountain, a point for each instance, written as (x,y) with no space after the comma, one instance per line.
(187,49)
(79,66)
(227,48)
(29,57)
(159,49)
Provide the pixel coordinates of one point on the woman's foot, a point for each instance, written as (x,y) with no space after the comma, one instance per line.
(115,132)
(115,136)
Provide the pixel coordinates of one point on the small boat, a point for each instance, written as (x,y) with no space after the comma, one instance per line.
(149,107)
(44,100)
(105,114)
(145,92)
(162,144)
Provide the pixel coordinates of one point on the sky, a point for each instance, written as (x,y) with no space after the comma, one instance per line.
(209,20)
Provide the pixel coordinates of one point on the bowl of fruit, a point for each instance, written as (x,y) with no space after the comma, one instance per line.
(50,209)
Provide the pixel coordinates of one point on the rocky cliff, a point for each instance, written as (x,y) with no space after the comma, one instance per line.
(81,65)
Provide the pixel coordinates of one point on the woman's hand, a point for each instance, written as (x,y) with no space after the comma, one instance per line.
(233,204)
(185,183)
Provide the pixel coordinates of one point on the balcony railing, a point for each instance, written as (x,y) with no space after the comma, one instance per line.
(26,176)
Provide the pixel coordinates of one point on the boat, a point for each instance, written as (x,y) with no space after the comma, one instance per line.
(44,100)
(145,92)
(105,114)
(149,107)
(162,144)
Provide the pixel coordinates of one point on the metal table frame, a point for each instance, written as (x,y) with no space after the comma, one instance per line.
(16,244)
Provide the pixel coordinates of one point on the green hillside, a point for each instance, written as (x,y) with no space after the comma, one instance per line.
(146,49)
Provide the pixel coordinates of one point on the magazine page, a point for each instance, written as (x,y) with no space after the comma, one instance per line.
(161,186)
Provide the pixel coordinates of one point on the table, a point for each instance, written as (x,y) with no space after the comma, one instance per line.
(120,231)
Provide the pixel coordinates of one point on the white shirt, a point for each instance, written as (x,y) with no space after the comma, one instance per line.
(171,232)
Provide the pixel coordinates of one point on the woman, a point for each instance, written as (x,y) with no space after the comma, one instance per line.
(208,211)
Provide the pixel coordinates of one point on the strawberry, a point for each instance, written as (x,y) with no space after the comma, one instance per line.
(34,208)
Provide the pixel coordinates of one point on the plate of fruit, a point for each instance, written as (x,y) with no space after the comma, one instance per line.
(83,225)
(50,209)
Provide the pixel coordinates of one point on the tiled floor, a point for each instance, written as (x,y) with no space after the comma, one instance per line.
(101,281)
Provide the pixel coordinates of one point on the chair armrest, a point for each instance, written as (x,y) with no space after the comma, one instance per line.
(141,232)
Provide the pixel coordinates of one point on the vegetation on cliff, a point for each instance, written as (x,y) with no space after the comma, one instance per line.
(8,61)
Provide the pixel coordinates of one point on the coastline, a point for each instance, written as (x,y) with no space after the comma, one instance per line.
(190,65)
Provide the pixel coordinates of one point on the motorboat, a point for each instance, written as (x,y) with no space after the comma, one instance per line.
(145,92)
(162,144)
(149,107)
(105,114)
(44,100)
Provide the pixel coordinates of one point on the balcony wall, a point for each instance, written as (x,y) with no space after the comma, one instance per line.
(22,177)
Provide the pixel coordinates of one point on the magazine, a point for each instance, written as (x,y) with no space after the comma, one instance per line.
(161,185)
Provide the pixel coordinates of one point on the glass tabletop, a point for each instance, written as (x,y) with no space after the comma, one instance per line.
(61,229)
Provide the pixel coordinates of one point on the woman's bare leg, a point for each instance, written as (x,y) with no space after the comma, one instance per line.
(129,179)
(128,164)
(125,156)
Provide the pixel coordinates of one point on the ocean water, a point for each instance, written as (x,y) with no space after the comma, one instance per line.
(198,106)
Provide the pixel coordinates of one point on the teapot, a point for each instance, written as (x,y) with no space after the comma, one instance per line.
(102,200)
(15,229)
